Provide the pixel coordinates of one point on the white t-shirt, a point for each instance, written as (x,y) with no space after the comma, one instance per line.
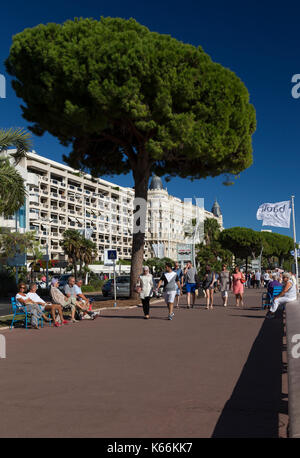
(257,276)
(35,298)
(19,296)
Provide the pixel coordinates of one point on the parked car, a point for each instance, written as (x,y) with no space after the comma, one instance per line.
(122,287)
(106,288)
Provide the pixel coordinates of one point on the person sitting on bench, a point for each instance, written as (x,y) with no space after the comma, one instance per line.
(288,294)
(273,282)
(71,291)
(22,300)
(46,306)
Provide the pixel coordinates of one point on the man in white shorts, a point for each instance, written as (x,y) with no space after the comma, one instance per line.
(170,283)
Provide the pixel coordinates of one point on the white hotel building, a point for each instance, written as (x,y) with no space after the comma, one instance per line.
(61,198)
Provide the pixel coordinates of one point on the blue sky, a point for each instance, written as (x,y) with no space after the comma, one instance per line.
(259,41)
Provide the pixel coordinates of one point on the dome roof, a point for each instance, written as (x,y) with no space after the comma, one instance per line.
(156,184)
(216,209)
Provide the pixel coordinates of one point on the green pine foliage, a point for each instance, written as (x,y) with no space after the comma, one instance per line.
(128,99)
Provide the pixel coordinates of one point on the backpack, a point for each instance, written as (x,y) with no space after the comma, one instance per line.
(78,315)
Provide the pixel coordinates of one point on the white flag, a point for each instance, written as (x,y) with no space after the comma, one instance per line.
(278,214)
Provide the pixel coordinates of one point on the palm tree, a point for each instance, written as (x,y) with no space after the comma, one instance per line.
(211,230)
(72,246)
(12,189)
(89,251)
(12,243)
(88,254)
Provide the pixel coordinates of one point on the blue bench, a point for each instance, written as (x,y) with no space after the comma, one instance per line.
(21,311)
(268,298)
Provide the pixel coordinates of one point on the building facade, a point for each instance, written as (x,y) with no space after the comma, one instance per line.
(61,198)
(170,220)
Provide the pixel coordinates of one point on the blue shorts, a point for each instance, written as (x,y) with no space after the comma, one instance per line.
(190,287)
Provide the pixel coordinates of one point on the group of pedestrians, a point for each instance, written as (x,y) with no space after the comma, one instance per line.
(72,299)
(226,282)
(174,278)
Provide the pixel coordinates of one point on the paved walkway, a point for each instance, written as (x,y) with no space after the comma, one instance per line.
(206,373)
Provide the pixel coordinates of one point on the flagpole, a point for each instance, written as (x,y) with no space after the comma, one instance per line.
(295,243)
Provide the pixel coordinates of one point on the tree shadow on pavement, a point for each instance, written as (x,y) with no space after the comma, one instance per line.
(254,406)
(133,317)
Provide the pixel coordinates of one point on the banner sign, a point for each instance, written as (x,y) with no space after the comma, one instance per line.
(159,250)
(184,252)
(275,214)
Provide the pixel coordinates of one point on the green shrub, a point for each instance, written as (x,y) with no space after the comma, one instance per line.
(96,283)
(7,283)
(87,289)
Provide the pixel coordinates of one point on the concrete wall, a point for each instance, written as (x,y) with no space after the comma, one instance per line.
(293,350)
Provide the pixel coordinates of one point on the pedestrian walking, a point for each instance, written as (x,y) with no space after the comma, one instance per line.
(238,280)
(145,283)
(179,273)
(208,286)
(169,279)
(225,284)
(257,279)
(249,276)
(190,277)
(266,278)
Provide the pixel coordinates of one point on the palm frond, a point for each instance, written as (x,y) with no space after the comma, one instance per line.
(12,189)
(15,138)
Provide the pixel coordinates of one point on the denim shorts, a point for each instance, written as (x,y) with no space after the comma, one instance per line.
(190,287)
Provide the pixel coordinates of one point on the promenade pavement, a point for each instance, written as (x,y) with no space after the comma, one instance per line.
(207,373)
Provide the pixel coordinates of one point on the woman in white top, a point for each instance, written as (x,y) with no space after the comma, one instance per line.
(288,294)
(146,292)
(23,300)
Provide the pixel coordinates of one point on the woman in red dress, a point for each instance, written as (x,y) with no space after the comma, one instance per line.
(238,286)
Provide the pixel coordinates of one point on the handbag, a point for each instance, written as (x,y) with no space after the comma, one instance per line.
(243,280)
(138,289)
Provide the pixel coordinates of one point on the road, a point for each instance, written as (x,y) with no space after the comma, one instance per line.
(207,373)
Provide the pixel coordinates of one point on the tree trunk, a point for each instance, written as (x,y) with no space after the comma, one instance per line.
(75,268)
(246,264)
(141,177)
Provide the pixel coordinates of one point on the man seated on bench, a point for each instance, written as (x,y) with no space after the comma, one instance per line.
(80,296)
(273,282)
(45,306)
(71,290)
